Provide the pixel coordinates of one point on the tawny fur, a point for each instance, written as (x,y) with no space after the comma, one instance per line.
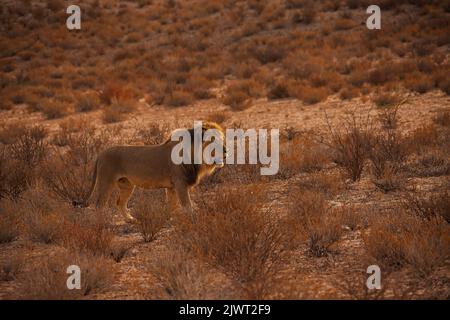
(125,167)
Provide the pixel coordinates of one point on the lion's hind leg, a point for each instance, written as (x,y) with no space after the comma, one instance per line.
(126,190)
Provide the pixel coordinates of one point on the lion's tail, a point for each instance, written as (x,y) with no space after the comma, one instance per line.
(85,203)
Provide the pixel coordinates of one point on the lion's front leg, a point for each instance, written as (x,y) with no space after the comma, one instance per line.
(185,200)
(126,190)
(171,197)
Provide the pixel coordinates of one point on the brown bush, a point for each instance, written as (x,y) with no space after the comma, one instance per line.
(82,149)
(303,154)
(397,239)
(87,102)
(423,137)
(15,176)
(387,151)
(88,233)
(151,214)
(114,91)
(388,179)
(52,109)
(153,134)
(351,144)
(348,93)
(239,93)
(118,109)
(21,159)
(42,216)
(9,222)
(419,82)
(200,87)
(328,184)
(10,269)
(386,100)
(442,118)
(234,235)
(218,117)
(30,147)
(343,24)
(96,276)
(431,164)
(431,207)
(184,277)
(179,98)
(311,217)
(309,95)
(279,90)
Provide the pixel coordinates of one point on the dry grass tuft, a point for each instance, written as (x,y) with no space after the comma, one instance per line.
(351,144)
(311,218)
(151,213)
(96,276)
(398,239)
(237,237)
(80,154)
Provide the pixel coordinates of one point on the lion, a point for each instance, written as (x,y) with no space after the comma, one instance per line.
(149,166)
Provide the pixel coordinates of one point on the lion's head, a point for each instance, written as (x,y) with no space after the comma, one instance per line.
(213,141)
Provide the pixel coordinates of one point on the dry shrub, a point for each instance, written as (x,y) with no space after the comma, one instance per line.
(42,216)
(423,137)
(87,233)
(309,95)
(118,251)
(182,277)
(329,184)
(434,163)
(14,175)
(21,159)
(114,91)
(311,217)
(87,102)
(442,118)
(238,237)
(200,87)
(82,149)
(52,109)
(387,152)
(10,269)
(349,93)
(238,94)
(389,179)
(351,143)
(153,134)
(429,207)
(351,217)
(303,154)
(343,24)
(419,82)
(279,90)
(398,239)
(47,279)
(151,213)
(178,98)
(9,221)
(30,147)
(218,117)
(118,110)
(386,99)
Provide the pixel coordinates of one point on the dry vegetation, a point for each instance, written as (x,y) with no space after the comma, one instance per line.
(364,173)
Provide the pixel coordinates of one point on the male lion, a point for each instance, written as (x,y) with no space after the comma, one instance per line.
(149,167)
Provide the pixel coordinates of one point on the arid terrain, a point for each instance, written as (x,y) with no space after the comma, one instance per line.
(364,120)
